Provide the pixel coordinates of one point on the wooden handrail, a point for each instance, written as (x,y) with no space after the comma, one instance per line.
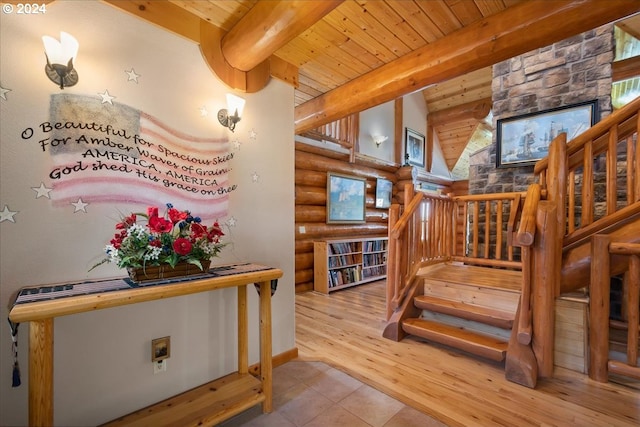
(595,132)
(527,229)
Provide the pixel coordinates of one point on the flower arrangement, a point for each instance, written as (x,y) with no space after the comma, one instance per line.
(170,239)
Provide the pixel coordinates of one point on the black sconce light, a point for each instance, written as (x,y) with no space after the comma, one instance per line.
(228,117)
(60,57)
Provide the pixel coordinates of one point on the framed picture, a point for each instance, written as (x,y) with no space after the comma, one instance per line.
(160,349)
(523,140)
(345,199)
(384,191)
(413,147)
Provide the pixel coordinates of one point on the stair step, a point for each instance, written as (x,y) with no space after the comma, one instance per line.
(471,342)
(489,316)
(487,287)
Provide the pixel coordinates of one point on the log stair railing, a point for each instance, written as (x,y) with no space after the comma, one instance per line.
(601,365)
(555,223)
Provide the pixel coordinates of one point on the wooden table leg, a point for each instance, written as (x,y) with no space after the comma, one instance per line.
(41,373)
(266,363)
(243,331)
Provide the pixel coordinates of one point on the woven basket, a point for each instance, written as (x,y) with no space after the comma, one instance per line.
(165,271)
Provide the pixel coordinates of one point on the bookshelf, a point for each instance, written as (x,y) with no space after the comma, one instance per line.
(340,264)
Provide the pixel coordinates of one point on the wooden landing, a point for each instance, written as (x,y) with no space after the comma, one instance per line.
(471,275)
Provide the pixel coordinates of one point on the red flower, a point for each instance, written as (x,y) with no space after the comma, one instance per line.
(126,222)
(197,230)
(160,225)
(176,216)
(152,212)
(182,246)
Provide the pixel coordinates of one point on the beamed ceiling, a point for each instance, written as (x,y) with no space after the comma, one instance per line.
(347,56)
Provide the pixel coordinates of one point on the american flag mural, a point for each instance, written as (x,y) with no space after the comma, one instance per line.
(112,153)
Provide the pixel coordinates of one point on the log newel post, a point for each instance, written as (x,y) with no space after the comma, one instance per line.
(599,309)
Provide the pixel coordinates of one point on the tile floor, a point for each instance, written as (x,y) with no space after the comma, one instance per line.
(313,394)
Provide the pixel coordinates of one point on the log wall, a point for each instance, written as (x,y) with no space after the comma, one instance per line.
(312,164)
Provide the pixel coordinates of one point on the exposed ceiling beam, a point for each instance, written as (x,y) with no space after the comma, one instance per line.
(268,26)
(476,110)
(518,29)
(182,22)
(625,69)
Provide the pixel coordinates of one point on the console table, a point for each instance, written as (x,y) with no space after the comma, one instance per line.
(236,392)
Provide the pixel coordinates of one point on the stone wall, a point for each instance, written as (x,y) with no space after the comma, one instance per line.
(571,71)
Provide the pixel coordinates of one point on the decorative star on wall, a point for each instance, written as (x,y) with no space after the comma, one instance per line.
(203,111)
(133,76)
(80,206)
(7,215)
(236,144)
(3,92)
(231,222)
(253,134)
(106,98)
(42,191)
(255,177)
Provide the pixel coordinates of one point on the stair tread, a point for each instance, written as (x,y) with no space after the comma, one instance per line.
(472,342)
(488,315)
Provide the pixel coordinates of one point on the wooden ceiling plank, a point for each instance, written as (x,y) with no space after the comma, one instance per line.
(460,98)
(222,14)
(362,16)
(476,110)
(440,13)
(489,7)
(417,19)
(466,11)
(346,25)
(165,15)
(631,26)
(268,26)
(327,49)
(348,45)
(388,17)
(521,28)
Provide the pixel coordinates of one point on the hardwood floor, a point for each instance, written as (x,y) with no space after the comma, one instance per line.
(344,330)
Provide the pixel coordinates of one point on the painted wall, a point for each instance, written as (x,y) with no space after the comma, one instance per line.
(102,359)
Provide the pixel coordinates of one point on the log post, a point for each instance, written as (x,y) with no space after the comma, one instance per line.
(545,262)
(599,308)
(392,267)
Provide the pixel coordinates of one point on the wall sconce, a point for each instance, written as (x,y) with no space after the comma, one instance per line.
(379,139)
(60,57)
(235,104)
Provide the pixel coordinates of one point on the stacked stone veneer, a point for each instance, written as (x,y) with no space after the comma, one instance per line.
(571,71)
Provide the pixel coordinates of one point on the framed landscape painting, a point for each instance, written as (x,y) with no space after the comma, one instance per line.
(346,197)
(523,140)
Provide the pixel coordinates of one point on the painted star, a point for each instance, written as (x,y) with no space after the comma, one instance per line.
(106,98)
(231,222)
(203,111)
(7,215)
(42,191)
(255,177)
(236,144)
(80,206)
(252,134)
(133,76)
(3,92)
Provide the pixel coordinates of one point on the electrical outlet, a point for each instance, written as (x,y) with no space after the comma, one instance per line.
(160,366)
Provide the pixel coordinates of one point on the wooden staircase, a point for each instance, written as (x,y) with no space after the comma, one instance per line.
(469,308)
